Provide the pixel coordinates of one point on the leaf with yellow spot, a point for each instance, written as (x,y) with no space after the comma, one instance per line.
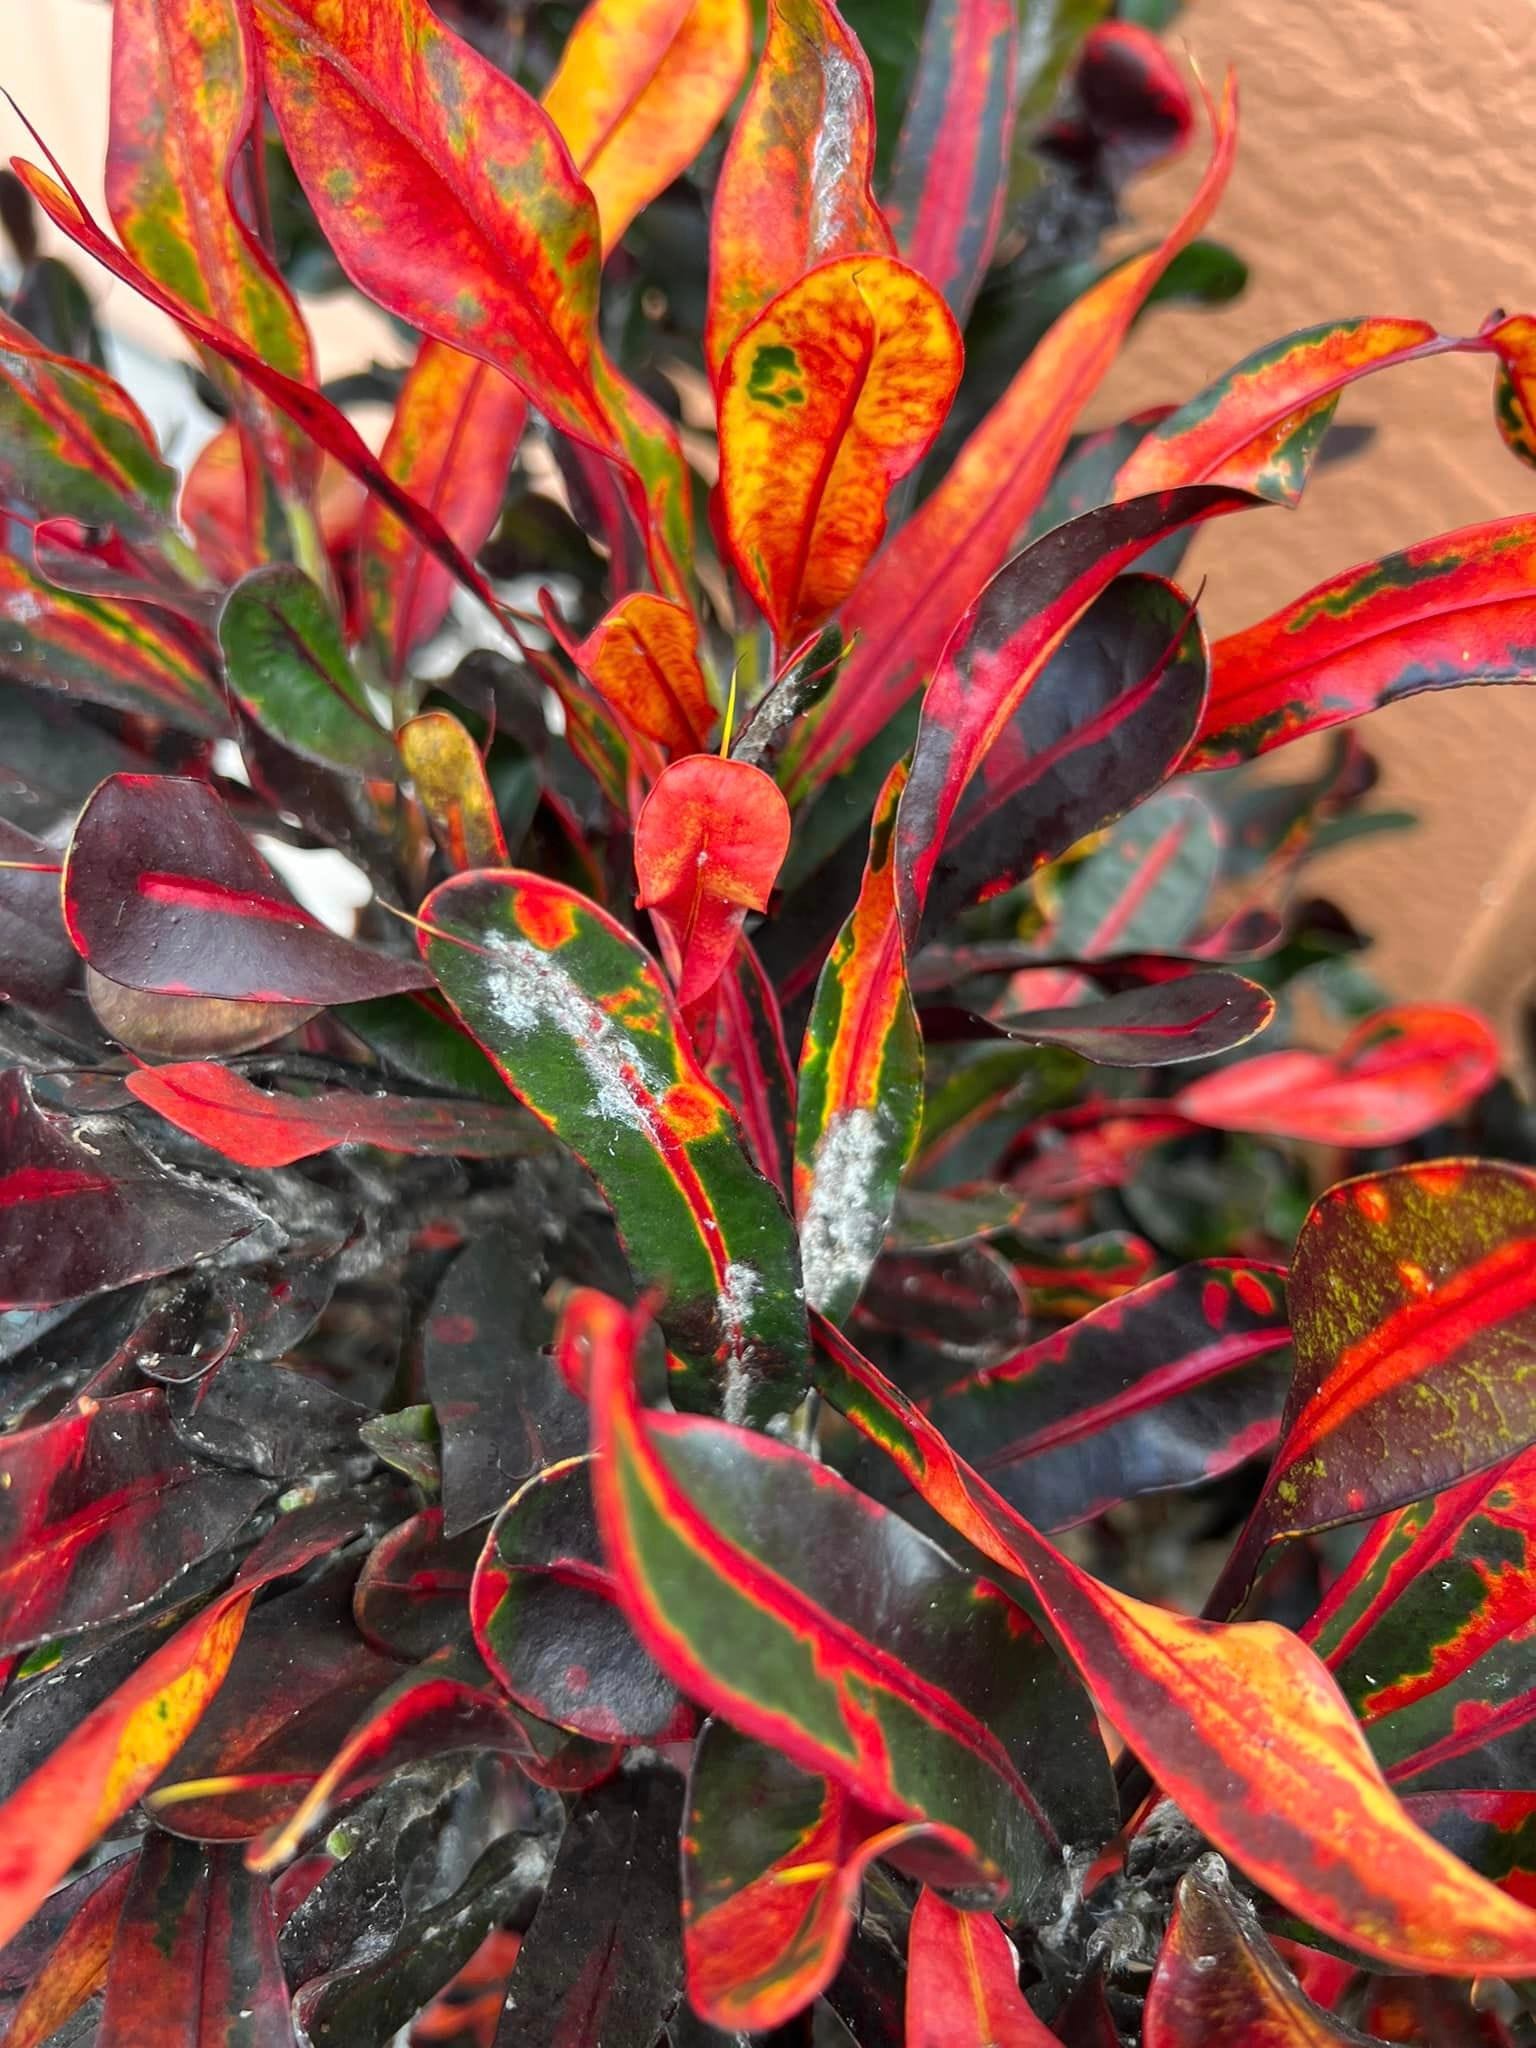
(831,396)
(963,1983)
(445,765)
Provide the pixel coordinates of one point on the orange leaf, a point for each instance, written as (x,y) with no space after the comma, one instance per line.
(445,765)
(642,658)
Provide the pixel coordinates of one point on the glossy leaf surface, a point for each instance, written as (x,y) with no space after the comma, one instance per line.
(831,395)
(642,658)
(1146,884)
(449,777)
(77,1961)
(1191,1018)
(287,663)
(709,842)
(578,1020)
(163,891)
(963,1983)
(860,1085)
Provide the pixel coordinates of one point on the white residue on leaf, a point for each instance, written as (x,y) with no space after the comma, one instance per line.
(534,992)
(733,1305)
(832,153)
(843,1227)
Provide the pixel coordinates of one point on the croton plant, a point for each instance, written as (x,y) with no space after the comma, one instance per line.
(539,1419)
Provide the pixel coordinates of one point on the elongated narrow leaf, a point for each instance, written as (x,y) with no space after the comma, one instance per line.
(1101,726)
(547,1619)
(456,428)
(1260,426)
(773,1864)
(945,201)
(963,1983)
(1457,609)
(1398,1073)
(994,660)
(1240,1724)
(749,1063)
(96,561)
(906,608)
(642,659)
(1219,1979)
(1493,1831)
(860,1099)
(1175,1382)
(579,1021)
(100,1509)
(72,442)
(794,189)
(125,656)
(257,1127)
(76,1964)
(80,1216)
(831,395)
(444,764)
(195,1962)
(1146,885)
(444,191)
(1191,1018)
(709,842)
(640,90)
(111,1757)
(286,662)
(723,1545)
(185,108)
(163,891)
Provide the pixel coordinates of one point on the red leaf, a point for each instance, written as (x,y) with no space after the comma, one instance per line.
(963,1983)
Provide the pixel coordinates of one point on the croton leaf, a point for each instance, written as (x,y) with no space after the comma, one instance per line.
(37,962)
(963,1983)
(773,1864)
(97,561)
(502,1406)
(1129,95)
(639,91)
(1240,1724)
(185,110)
(1191,1018)
(187,1027)
(286,662)
(860,1086)
(1397,1074)
(444,191)
(794,189)
(100,1509)
(749,1572)
(163,891)
(1219,1979)
(949,181)
(642,659)
(709,842)
(195,1959)
(261,1127)
(453,789)
(1175,1382)
(73,442)
(547,1619)
(1146,885)
(830,396)
(115,1754)
(121,655)
(749,1063)
(1413,1306)
(79,1215)
(75,1965)
(1102,725)
(456,428)
(935,568)
(579,1021)
(1457,609)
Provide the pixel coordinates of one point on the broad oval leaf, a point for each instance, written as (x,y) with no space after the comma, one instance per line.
(949,180)
(642,658)
(1177,1381)
(832,395)
(548,1622)
(963,1983)
(1397,1074)
(451,784)
(1219,1979)
(1101,726)
(1190,1018)
(794,189)
(578,1020)
(286,662)
(639,90)
(860,1093)
(451,443)
(764,1585)
(1240,1724)
(1457,609)
(186,1027)
(709,842)
(164,892)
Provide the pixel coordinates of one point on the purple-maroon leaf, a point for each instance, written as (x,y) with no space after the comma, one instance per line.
(164,892)
(1159,1025)
(37,962)
(412,1595)
(79,1216)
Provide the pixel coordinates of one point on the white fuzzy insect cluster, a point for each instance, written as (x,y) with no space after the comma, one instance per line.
(843,1227)
(533,990)
(733,1305)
